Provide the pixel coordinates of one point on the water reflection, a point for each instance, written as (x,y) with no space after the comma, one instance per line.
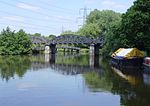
(66,64)
(13,65)
(98,74)
(136,92)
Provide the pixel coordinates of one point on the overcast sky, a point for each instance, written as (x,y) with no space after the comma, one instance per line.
(52,16)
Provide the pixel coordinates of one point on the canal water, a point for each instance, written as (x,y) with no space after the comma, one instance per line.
(70,80)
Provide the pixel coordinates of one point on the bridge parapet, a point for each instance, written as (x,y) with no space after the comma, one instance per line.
(76,39)
(68,47)
(39,40)
(71,39)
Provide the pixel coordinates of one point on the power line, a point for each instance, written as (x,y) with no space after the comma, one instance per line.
(27,26)
(84,11)
(40,26)
(6,3)
(37,25)
(47,3)
(32,26)
(31,18)
(55,11)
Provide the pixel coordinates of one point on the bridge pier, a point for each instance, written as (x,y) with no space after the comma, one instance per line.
(77,51)
(47,50)
(68,50)
(52,59)
(94,49)
(94,60)
(53,48)
(71,51)
(64,50)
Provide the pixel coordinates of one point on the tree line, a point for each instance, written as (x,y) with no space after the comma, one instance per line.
(16,43)
(127,30)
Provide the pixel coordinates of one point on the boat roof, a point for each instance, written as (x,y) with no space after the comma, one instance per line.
(124,52)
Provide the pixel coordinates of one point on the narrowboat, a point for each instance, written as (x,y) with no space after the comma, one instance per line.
(146,65)
(127,57)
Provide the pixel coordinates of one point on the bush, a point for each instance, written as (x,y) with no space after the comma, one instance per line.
(12,43)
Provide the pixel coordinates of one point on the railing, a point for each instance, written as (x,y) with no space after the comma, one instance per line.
(68,47)
(39,48)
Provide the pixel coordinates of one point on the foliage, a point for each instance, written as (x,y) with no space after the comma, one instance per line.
(13,65)
(99,22)
(113,40)
(132,31)
(67,32)
(14,43)
(135,25)
(36,34)
(81,60)
(91,30)
(50,37)
(96,82)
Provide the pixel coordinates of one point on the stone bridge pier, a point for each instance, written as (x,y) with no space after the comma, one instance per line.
(53,48)
(93,60)
(94,49)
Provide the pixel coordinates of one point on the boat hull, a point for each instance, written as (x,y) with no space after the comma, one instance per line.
(146,65)
(127,62)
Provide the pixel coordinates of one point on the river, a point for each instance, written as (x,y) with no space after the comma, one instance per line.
(70,80)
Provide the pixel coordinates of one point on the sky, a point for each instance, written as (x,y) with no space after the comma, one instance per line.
(52,16)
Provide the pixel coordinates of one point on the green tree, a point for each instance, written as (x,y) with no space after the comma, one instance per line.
(23,42)
(132,31)
(67,32)
(51,36)
(14,43)
(7,38)
(113,39)
(37,34)
(98,23)
(135,25)
(91,30)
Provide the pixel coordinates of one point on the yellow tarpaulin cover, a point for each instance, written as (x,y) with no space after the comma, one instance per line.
(128,53)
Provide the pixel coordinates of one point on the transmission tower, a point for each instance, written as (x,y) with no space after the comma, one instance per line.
(84,12)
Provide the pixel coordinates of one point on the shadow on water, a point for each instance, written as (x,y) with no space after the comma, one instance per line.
(131,84)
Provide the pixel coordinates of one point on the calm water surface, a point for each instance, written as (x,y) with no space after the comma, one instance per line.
(69,80)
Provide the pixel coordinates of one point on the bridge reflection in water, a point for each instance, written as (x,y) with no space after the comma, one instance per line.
(98,75)
(66,64)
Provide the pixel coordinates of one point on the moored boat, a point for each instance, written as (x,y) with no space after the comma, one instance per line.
(127,57)
(147,61)
(146,64)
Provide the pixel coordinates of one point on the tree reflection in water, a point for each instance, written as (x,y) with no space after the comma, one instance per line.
(13,65)
(100,77)
(129,84)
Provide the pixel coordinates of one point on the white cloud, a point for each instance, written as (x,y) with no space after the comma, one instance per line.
(28,6)
(13,18)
